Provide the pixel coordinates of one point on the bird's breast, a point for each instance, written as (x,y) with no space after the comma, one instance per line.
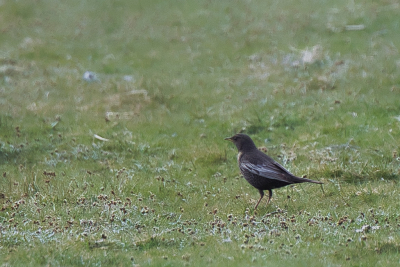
(239,155)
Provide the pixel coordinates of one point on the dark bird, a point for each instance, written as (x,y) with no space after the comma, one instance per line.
(260,170)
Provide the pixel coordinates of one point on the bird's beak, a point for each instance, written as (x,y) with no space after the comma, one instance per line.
(228,138)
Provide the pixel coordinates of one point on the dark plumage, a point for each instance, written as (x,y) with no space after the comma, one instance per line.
(260,170)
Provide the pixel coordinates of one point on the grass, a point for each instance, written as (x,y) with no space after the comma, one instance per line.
(174,79)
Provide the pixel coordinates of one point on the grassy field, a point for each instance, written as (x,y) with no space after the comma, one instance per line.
(132,168)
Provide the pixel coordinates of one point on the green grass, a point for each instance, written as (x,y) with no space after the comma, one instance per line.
(165,189)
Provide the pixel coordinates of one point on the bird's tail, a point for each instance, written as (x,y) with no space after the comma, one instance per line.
(303,180)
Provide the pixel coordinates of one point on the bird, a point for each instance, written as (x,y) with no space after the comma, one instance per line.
(260,170)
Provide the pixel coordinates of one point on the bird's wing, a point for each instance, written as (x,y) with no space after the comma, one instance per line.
(270,170)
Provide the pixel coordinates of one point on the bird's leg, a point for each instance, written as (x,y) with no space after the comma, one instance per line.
(270,195)
(262,195)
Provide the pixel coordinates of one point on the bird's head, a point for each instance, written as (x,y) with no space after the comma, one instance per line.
(243,142)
